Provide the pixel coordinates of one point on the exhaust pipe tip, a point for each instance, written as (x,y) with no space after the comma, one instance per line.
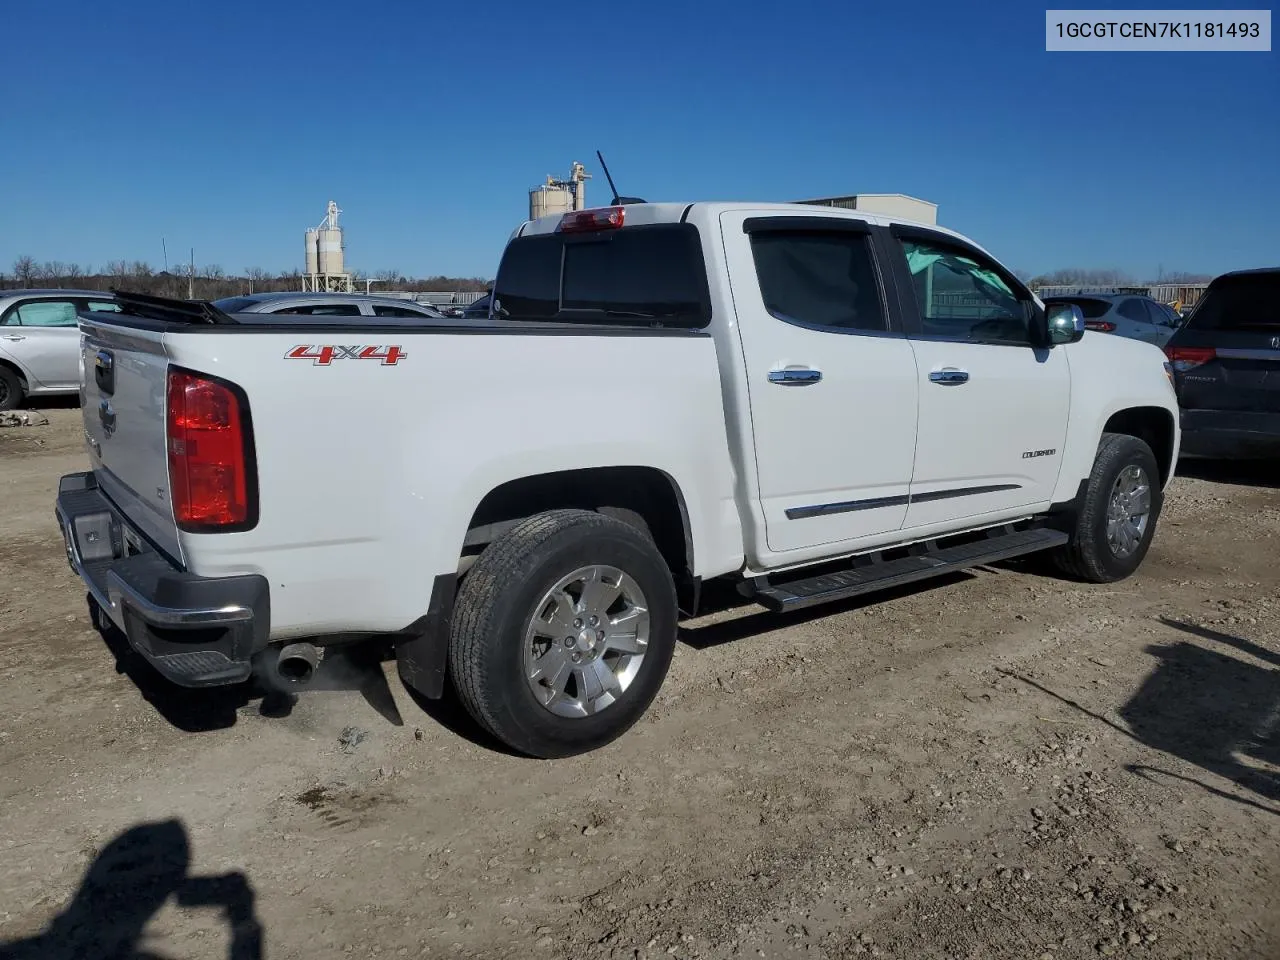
(297,664)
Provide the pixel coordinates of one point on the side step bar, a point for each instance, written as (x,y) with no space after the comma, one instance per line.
(928,560)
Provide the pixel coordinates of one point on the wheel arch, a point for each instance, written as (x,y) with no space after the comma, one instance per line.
(649,493)
(17,371)
(1152,425)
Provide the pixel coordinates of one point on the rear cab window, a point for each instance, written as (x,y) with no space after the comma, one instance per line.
(647,275)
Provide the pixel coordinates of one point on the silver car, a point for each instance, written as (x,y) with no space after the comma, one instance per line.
(40,341)
(1126,315)
(328,305)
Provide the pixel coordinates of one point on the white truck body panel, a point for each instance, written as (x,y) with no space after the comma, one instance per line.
(369,474)
(810,442)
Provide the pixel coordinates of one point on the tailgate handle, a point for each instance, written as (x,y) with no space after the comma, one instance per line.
(104,372)
(107,416)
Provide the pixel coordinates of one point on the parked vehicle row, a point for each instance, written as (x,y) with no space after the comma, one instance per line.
(807,403)
(327,305)
(40,336)
(1226,368)
(40,341)
(1125,315)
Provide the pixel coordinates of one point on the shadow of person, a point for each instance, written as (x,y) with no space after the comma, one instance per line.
(126,886)
(1212,709)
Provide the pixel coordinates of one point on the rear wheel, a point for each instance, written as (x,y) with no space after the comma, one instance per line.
(562,632)
(1114,528)
(11,392)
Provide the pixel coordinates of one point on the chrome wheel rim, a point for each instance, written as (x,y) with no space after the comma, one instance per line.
(1128,511)
(586,641)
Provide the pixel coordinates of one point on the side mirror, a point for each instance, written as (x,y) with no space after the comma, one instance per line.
(1065,322)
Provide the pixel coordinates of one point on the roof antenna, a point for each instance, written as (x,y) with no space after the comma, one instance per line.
(617,200)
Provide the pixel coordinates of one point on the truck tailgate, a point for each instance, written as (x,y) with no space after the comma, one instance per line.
(123,405)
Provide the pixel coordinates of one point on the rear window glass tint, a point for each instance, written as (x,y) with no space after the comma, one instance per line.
(529,278)
(380,311)
(324,310)
(824,279)
(1091,308)
(1239,303)
(1135,310)
(633,275)
(234,304)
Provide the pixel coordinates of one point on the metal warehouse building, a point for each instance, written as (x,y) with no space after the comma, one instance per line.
(890,204)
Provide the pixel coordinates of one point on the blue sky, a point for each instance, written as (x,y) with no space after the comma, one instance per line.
(227,126)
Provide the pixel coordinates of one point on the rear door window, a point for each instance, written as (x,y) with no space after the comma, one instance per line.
(822,279)
(45,313)
(637,275)
(1250,302)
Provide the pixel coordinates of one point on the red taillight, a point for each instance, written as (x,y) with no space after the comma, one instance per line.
(602,218)
(1184,358)
(210,451)
(1102,326)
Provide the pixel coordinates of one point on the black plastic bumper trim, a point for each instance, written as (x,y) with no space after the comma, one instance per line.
(196,631)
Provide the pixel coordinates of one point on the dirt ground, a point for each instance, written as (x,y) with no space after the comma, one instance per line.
(998,765)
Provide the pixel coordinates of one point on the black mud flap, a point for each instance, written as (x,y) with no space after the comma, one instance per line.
(422,654)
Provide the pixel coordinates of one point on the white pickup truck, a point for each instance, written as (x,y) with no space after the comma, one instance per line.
(811,402)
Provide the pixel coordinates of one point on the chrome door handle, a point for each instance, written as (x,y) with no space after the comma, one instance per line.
(949,377)
(14,337)
(795,377)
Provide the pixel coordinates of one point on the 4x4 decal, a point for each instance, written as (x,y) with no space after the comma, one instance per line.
(322,355)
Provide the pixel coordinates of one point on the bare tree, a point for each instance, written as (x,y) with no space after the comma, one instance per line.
(258,278)
(213,272)
(141,270)
(52,271)
(73,271)
(24,269)
(118,269)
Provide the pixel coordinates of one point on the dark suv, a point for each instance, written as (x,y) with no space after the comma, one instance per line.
(1226,368)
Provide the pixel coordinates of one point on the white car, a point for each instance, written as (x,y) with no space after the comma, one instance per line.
(40,341)
(808,402)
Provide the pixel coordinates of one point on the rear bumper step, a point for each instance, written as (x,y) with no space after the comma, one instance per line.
(196,631)
(928,560)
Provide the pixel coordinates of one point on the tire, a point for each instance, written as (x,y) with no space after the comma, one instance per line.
(1090,555)
(505,612)
(11,392)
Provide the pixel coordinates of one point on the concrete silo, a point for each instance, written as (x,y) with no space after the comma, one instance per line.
(560,196)
(327,272)
(313,252)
